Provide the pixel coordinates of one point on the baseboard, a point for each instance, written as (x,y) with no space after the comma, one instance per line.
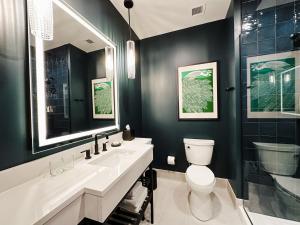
(221,182)
(168,174)
(243,216)
(180,176)
(238,203)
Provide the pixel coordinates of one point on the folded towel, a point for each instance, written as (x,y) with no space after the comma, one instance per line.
(135,198)
(136,189)
(138,203)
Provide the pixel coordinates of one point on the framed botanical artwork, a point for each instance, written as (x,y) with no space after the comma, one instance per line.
(198,91)
(103,99)
(272,86)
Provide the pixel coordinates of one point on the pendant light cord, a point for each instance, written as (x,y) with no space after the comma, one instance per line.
(129,24)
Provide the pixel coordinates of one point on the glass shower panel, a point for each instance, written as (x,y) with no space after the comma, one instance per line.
(290,91)
(270,74)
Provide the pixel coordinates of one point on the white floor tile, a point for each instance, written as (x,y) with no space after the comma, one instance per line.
(171,205)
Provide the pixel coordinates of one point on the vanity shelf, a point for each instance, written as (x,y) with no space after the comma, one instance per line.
(122,216)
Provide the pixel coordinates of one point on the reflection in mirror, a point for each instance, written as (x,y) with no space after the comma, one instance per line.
(77,91)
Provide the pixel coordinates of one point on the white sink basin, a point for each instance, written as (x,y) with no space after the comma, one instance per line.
(122,167)
(92,189)
(113,158)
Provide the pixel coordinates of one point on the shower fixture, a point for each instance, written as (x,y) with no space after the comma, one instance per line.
(295,37)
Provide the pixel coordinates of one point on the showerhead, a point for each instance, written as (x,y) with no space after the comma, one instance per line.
(295,37)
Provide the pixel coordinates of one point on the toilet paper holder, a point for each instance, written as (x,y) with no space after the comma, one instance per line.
(171,160)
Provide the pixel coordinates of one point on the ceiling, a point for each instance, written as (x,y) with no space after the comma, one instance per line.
(154,17)
(67,30)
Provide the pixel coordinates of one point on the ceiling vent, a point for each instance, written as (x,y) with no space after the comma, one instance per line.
(198,10)
(89,41)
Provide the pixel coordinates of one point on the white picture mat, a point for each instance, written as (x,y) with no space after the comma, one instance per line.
(204,115)
(255,59)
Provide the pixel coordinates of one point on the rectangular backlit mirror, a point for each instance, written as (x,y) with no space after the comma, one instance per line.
(74,85)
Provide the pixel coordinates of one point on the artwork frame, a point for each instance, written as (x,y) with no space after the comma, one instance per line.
(259,102)
(205,77)
(103,114)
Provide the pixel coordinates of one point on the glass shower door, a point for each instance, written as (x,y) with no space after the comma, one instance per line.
(270,74)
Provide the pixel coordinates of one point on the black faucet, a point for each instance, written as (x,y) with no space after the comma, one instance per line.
(87,154)
(96,145)
(103,145)
(104,149)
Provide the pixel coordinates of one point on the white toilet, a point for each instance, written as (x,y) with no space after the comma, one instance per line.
(200,178)
(281,162)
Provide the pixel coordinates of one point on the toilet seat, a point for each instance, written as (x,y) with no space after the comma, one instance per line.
(200,177)
(288,184)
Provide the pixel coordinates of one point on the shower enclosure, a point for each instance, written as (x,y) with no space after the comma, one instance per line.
(270,84)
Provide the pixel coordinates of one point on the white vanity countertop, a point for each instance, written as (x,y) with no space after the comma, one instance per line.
(39,199)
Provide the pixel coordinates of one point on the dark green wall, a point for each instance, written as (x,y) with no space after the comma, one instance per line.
(236,162)
(160,58)
(15,142)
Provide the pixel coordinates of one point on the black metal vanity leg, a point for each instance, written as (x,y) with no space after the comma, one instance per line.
(152,213)
(152,196)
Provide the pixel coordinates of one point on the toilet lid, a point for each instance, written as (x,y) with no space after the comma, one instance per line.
(288,184)
(200,175)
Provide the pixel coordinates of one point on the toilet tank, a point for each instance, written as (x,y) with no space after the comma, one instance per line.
(198,151)
(280,159)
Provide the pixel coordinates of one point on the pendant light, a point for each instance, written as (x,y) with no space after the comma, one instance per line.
(109,63)
(130,45)
(40,13)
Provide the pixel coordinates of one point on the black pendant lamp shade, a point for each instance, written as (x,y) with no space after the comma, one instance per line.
(128,4)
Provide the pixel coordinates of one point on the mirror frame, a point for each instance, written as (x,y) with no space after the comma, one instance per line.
(40,86)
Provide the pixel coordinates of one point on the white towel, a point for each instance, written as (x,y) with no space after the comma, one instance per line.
(136,189)
(135,198)
(136,204)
